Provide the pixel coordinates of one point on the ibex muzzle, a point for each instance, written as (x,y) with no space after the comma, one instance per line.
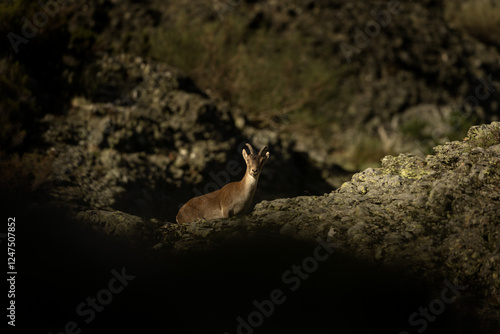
(234,198)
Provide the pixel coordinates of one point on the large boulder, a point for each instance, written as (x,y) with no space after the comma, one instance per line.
(435,216)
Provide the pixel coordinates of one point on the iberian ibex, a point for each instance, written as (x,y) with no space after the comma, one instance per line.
(234,198)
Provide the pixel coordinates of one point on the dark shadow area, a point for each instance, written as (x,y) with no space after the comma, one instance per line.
(142,200)
(61,264)
(313,182)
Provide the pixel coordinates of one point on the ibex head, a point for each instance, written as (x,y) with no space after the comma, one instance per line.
(255,162)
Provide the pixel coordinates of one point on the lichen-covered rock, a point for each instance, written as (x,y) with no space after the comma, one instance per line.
(437,216)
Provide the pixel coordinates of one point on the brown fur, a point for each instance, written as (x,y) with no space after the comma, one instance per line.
(234,198)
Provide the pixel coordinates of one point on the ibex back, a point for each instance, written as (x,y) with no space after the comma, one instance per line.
(234,198)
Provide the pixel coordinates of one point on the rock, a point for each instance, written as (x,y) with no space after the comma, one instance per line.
(288,230)
(114,223)
(437,214)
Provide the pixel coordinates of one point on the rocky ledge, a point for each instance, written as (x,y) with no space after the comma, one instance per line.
(420,208)
(438,215)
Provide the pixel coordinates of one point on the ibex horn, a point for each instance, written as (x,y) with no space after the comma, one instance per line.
(251,149)
(263,151)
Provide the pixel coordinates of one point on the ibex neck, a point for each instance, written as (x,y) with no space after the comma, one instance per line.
(249,183)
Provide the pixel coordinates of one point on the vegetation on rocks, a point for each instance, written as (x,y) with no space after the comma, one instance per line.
(404,92)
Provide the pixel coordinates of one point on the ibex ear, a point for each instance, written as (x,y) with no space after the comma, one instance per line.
(244,154)
(264,158)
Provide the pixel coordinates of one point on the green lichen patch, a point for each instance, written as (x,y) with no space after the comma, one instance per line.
(405,165)
(484,135)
